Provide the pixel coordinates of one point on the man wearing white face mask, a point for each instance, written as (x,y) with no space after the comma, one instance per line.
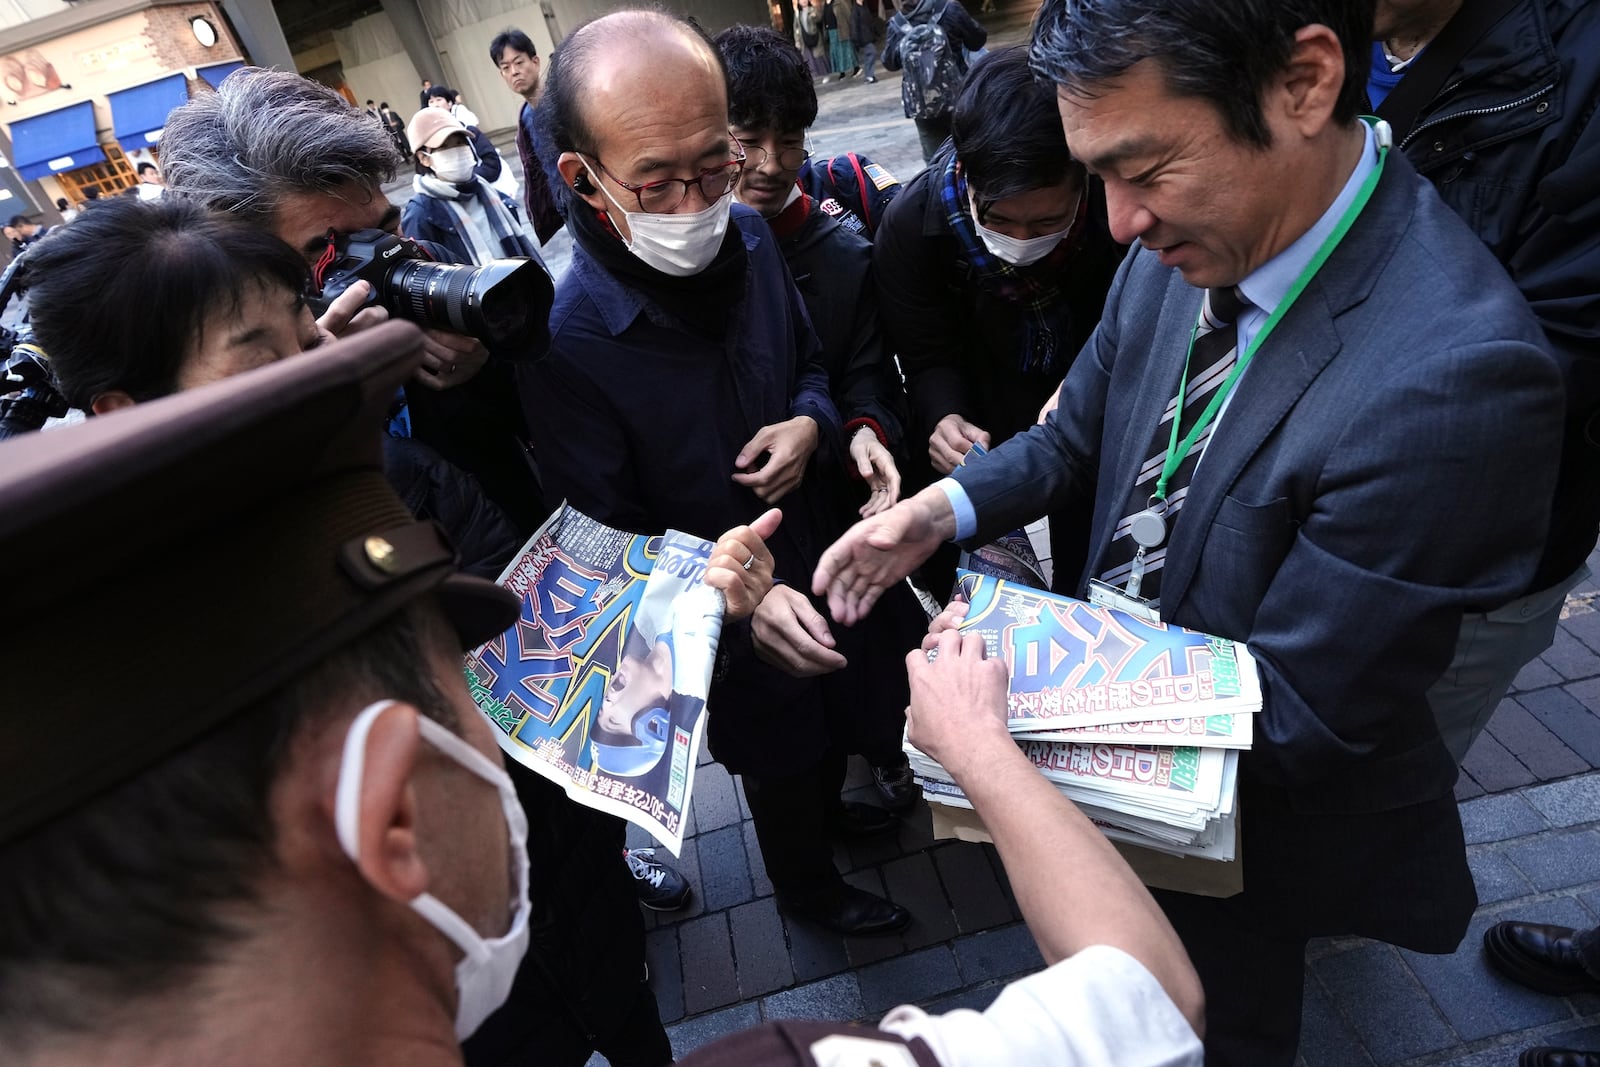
(294,841)
(684,388)
(452,206)
(992,267)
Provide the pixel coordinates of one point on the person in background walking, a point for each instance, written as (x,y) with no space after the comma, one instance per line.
(865,29)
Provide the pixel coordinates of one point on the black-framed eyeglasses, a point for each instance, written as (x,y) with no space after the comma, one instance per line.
(788,158)
(663,197)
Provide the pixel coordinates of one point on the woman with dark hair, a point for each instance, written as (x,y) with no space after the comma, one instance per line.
(992,267)
(208,297)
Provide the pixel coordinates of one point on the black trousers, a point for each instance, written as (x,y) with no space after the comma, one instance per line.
(932,133)
(1253,977)
(581,988)
(790,815)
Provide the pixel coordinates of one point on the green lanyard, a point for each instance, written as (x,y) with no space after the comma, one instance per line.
(1178,451)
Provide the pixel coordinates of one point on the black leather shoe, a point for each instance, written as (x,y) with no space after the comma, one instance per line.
(847,910)
(851,819)
(896,784)
(1545,1056)
(1539,956)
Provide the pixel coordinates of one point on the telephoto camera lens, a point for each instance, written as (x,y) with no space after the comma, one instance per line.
(499,302)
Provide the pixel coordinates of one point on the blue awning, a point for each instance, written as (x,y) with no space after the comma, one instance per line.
(138,114)
(213,75)
(55,141)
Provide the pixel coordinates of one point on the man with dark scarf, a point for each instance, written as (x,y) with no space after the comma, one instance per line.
(684,388)
(992,268)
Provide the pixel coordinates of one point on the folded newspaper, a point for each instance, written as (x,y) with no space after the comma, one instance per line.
(1140,723)
(601,684)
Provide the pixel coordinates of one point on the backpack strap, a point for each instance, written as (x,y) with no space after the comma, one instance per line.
(861,188)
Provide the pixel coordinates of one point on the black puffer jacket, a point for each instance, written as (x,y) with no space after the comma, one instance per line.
(434,488)
(1512,145)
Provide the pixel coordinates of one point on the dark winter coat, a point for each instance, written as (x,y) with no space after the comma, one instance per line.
(1512,144)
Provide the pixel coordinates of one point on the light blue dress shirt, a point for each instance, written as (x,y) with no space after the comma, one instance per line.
(1264,288)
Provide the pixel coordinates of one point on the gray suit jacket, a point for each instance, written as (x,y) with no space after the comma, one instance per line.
(1385,464)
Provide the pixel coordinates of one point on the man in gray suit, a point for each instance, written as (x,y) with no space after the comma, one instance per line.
(1368,437)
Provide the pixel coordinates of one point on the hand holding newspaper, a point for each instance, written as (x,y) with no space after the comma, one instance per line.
(601,685)
(1138,722)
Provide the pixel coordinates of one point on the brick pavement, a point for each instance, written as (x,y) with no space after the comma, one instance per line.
(1530,796)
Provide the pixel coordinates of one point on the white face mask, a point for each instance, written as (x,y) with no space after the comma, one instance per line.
(453,164)
(488,965)
(1016,251)
(679,245)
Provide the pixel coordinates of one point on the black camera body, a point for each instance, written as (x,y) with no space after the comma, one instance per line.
(501,302)
(28,393)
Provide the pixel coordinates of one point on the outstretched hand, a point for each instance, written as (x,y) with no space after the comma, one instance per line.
(879,551)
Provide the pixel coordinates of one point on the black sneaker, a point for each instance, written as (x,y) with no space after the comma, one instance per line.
(896,784)
(660,887)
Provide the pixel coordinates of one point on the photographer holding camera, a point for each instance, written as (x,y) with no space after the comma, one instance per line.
(294,158)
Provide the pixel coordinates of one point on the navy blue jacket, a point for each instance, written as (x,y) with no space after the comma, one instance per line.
(1513,146)
(637,421)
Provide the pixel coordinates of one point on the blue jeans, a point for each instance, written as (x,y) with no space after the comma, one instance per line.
(869,55)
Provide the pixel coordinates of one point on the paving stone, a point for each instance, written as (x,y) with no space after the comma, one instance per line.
(1326,1039)
(759,948)
(666,971)
(1496,877)
(1473,999)
(709,979)
(705,755)
(1584,625)
(912,884)
(977,998)
(688,865)
(692,1034)
(864,950)
(1555,861)
(760,884)
(1571,658)
(872,851)
(1384,1003)
(1000,876)
(1569,802)
(1566,713)
(813,951)
(837,999)
(744,802)
(724,873)
(716,803)
(909,978)
(1536,674)
(997,954)
(1499,818)
(638,837)
(974,891)
(916,829)
(1467,788)
(1492,767)
(1535,747)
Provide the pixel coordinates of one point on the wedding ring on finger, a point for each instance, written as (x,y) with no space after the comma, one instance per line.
(751,562)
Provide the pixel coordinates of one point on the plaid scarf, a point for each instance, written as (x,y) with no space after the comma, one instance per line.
(1035,289)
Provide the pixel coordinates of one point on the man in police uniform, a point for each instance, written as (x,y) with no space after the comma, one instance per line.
(249,813)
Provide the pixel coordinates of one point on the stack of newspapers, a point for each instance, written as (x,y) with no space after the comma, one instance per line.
(1139,723)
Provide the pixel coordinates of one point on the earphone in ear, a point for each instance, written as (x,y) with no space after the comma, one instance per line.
(582,184)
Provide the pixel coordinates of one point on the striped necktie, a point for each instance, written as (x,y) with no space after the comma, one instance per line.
(1211,361)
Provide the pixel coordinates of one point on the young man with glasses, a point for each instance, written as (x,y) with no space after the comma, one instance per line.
(771,102)
(684,386)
